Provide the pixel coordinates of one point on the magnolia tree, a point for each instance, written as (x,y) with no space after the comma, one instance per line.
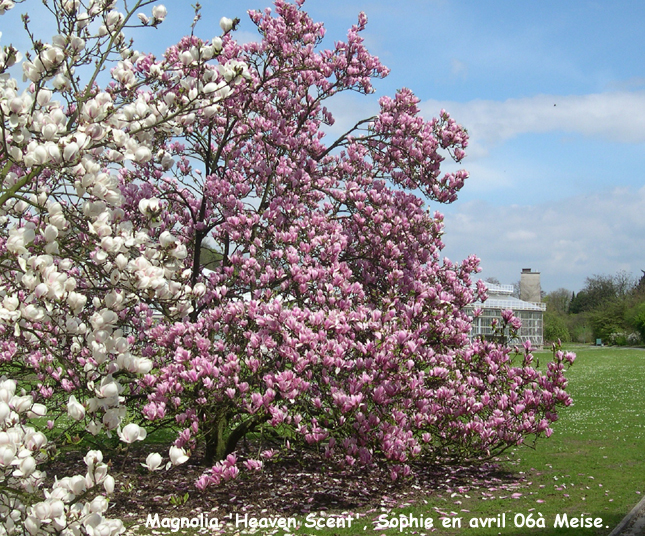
(66,297)
(183,244)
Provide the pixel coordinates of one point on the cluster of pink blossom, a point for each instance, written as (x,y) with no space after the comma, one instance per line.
(326,311)
(184,243)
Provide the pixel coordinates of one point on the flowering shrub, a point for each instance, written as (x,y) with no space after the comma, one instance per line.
(624,339)
(325,313)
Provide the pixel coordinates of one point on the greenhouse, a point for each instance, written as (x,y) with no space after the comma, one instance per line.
(500,297)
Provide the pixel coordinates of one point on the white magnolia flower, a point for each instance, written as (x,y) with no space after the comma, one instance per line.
(76,301)
(52,57)
(75,409)
(5,411)
(71,151)
(159,12)
(92,458)
(26,467)
(132,432)
(108,484)
(35,440)
(112,418)
(94,427)
(99,504)
(21,403)
(225,24)
(7,389)
(77,484)
(166,239)
(153,462)
(142,154)
(177,456)
(7,455)
(6,5)
(108,388)
(113,19)
(100,473)
(11,303)
(199,290)
(71,6)
(37,410)
(150,207)
(42,510)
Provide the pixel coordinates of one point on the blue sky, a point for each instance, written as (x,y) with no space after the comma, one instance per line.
(553,94)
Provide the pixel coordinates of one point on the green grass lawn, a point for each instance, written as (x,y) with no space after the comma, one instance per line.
(593,466)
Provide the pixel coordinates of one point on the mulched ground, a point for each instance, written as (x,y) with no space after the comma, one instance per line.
(295,484)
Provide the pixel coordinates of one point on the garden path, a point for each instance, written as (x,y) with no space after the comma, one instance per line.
(633,524)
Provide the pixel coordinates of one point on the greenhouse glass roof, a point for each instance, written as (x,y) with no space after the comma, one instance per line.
(499,297)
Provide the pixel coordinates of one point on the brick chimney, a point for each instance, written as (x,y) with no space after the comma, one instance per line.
(530,289)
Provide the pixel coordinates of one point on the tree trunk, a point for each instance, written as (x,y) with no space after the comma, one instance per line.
(219,444)
(216,443)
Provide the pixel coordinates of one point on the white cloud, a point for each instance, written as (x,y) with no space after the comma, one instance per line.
(616,116)
(566,241)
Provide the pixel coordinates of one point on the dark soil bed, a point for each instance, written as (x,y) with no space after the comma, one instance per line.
(296,483)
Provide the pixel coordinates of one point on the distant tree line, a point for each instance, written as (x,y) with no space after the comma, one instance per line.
(609,307)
